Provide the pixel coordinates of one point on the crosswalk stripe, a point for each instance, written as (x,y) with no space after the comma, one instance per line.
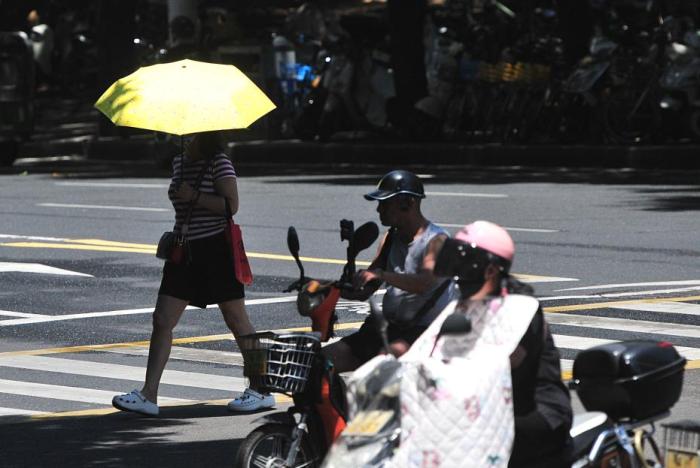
(119,371)
(618,324)
(666,307)
(617,304)
(60,392)
(180,353)
(17,412)
(584,342)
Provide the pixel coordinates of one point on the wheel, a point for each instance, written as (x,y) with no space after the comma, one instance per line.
(267,447)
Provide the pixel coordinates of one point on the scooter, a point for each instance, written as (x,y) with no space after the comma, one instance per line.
(291,363)
(626,387)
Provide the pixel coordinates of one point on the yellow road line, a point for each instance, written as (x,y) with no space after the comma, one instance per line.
(113,243)
(176,341)
(605,305)
(279,399)
(109,246)
(113,246)
(99,248)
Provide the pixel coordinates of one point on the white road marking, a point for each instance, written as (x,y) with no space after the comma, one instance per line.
(541,279)
(634,326)
(635,285)
(113,313)
(37,268)
(17,412)
(469,195)
(547,231)
(103,207)
(60,392)
(667,307)
(9,313)
(36,238)
(181,353)
(121,372)
(583,342)
(625,294)
(112,184)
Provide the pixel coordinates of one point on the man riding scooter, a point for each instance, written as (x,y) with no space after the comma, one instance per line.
(479,257)
(480,387)
(405,260)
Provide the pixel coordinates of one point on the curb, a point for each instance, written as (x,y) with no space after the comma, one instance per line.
(651,157)
(387,153)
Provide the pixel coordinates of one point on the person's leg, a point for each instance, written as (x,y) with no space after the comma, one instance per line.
(237,321)
(236,317)
(166,315)
(341,355)
(354,350)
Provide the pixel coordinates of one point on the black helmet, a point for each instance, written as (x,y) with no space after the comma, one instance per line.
(395,183)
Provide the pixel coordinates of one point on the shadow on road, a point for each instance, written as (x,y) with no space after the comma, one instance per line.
(122,439)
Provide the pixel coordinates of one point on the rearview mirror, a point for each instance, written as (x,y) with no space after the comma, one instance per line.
(293,241)
(364,236)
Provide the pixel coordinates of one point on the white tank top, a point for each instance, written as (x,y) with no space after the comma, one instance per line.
(399,305)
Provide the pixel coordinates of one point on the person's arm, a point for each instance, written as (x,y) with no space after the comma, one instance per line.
(364,289)
(225,188)
(416,283)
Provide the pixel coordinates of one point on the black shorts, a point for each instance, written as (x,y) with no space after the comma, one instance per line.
(366,342)
(208,279)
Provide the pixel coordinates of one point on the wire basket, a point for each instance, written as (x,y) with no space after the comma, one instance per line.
(682,443)
(278,362)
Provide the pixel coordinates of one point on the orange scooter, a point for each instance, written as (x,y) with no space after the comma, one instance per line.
(291,363)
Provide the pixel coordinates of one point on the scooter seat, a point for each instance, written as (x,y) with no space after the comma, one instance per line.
(584,430)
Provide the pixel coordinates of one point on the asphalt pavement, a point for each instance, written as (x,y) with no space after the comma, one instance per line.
(607,250)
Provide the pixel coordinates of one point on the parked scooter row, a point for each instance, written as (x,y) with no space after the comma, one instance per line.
(498,74)
(626,387)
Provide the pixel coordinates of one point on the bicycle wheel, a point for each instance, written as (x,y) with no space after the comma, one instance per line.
(268,446)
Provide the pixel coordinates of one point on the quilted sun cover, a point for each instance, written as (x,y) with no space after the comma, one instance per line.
(456,406)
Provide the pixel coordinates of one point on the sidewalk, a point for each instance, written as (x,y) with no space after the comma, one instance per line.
(69,127)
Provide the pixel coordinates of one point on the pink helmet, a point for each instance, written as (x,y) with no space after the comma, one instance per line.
(489,237)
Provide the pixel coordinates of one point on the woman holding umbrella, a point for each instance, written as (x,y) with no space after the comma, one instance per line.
(208,277)
(192,98)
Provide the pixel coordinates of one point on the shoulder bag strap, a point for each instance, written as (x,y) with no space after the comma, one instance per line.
(198,182)
(431,301)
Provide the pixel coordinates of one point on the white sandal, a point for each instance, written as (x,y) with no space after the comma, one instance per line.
(250,400)
(135,402)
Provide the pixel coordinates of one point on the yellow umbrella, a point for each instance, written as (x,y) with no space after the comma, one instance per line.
(184,97)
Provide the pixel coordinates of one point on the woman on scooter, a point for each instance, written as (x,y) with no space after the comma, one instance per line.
(479,257)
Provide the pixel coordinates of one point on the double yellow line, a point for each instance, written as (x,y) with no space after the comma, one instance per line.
(111,246)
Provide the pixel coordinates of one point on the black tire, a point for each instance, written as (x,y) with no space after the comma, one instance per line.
(273,441)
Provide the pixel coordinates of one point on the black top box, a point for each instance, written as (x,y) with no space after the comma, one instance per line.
(630,379)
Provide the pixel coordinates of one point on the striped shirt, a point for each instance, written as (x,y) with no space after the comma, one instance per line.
(203,223)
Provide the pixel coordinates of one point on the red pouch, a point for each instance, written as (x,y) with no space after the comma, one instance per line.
(240,259)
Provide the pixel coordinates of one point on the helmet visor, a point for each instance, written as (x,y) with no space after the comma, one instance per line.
(465,262)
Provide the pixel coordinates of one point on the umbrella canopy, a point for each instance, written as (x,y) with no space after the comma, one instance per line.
(184,97)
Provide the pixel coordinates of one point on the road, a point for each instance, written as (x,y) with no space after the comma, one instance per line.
(612,255)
